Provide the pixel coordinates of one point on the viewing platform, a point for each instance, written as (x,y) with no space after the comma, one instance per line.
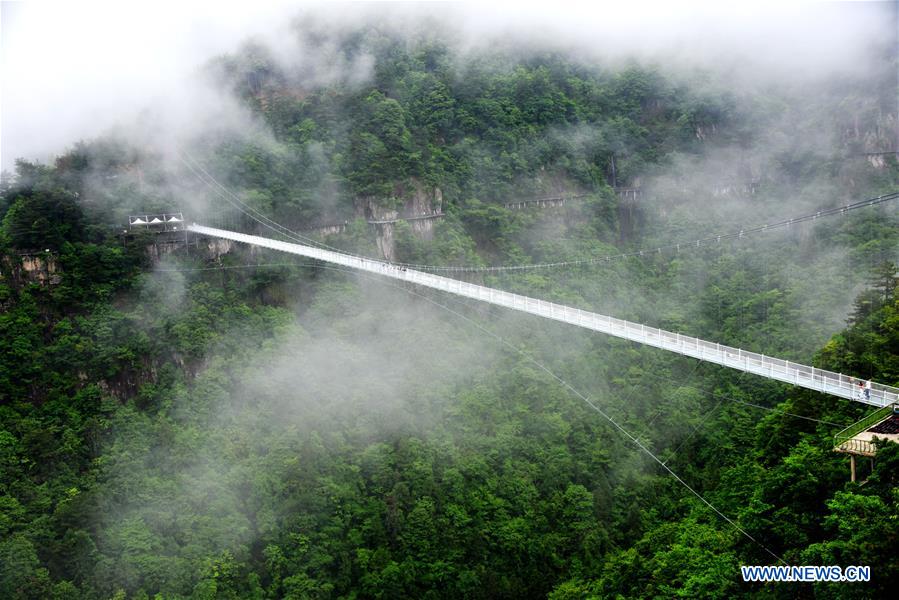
(859,438)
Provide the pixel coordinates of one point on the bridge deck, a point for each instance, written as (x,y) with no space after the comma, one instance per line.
(773,368)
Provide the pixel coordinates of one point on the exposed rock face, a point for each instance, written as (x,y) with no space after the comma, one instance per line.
(386,241)
(156,252)
(418,205)
(876,160)
(422,202)
(40,268)
(209,248)
(215,247)
(424,228)
(326,230)
(873,129)
(415,203)
(879,161)
(874,133)
(368,208)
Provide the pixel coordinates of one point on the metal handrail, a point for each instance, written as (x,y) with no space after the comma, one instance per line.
(800,375)
(861,425)
(857,447)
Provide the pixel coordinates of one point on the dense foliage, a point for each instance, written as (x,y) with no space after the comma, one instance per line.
(177,426)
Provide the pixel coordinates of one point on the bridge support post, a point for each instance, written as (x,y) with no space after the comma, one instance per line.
(852,467)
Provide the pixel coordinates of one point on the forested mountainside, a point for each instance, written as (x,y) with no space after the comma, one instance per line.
(199,420)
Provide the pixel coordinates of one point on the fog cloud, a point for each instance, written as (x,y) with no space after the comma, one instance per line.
(72,70)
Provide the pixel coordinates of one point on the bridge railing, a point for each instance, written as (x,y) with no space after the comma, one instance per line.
(843,440)
(774,368)
(863,447)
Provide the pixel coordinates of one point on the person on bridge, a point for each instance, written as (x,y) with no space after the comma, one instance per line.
(868,390)
(861,389)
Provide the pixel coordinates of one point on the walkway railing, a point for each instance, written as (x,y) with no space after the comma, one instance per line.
(797,374)
(842,439)
(862,447)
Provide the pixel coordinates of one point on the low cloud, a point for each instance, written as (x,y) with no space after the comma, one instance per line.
(70,71)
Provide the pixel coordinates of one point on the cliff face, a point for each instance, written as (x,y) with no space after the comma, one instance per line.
(208,248)
(160,249)
(39,268)
(871,130)
(215,248)
(420,206)
(417,204)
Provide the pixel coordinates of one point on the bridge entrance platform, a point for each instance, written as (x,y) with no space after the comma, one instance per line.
(859,438)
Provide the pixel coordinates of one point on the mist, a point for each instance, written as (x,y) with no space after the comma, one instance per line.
(261,396)
(71,71)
